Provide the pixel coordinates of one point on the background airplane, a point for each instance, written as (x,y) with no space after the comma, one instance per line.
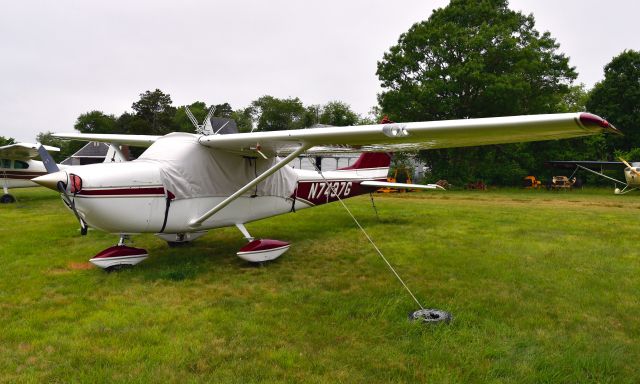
(185,184)
(631,171)
(18,167)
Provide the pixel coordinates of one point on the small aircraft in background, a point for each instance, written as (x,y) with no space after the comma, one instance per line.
(18,167)
(631,171)
(185,184)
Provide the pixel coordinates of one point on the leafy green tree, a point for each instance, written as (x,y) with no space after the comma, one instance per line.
(243,118)
(272,114)
(67,148)
(223,110)
(338,113)
(617,98)
(6,141)
(96,122)
(181,121)
(475,59)
(156,109)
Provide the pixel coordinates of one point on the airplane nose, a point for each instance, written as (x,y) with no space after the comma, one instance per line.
(51,180)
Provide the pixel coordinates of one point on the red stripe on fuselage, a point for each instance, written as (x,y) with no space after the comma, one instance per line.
(123,191)
(22,175)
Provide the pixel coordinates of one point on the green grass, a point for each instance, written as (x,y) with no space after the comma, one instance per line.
(543,288)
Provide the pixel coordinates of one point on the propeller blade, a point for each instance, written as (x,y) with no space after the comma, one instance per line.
(49,164)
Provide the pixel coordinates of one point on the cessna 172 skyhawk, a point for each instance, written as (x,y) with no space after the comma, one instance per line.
(185,184)
(18,167)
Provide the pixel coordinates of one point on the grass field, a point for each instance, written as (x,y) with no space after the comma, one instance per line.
(543,287)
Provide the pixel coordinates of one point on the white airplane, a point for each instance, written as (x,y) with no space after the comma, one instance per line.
(185,184)
(631,171)
(18,167)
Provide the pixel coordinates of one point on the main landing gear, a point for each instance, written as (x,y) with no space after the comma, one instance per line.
(119,256)
(122,256)
(179,239)
(7,199)
(260,250)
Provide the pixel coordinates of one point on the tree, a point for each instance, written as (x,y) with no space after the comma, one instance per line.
(96,122)
(617,98)
(6,141)
(338,113)
(222,110)
(243,118)
(474,59)
(156,110)
(181,121)
(67,148)
(272,114)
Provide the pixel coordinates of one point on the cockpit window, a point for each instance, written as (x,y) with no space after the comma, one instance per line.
(5,163)
(17,164)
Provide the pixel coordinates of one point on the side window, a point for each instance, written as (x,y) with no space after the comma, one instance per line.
(17,164)
(5,163)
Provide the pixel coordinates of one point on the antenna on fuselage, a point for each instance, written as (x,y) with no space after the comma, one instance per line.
(201,129)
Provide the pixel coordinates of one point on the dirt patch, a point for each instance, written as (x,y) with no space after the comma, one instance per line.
(80,266)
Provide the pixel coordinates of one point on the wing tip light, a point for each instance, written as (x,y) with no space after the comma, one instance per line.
(590,120)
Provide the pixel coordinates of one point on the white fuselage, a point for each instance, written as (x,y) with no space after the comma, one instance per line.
(632,178)
(16,173)
(134,197)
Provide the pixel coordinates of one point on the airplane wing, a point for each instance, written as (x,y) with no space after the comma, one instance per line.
(569,164)
(23,151)
(416,135)
(133,140)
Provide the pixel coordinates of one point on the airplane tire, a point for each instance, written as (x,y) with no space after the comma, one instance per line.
(431,316)
(7,199)
(118,267)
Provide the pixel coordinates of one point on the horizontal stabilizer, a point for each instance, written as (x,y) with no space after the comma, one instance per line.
(384,184)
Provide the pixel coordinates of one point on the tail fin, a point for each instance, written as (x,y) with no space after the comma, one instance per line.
(369,160)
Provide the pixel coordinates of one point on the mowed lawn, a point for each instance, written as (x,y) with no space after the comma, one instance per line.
(543,287)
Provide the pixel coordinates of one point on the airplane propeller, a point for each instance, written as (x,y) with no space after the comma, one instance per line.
(53,169)
(629,165)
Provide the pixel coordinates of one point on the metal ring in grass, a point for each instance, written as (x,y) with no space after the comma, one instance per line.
(430,316)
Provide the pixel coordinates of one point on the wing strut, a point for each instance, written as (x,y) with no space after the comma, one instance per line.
(198,221)
(600,174)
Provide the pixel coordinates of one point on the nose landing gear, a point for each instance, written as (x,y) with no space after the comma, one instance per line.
(119,256)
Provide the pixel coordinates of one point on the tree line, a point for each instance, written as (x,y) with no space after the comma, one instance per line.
(470,59)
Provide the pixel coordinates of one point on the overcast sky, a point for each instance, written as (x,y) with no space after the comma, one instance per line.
(61,58)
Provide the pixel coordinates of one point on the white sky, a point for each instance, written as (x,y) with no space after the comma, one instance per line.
(61,58)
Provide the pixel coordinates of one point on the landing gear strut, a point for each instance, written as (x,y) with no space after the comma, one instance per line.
(119,256)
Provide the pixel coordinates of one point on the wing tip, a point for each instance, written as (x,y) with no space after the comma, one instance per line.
(593,121)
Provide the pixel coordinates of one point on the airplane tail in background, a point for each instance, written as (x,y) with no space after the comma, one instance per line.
(369,160)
